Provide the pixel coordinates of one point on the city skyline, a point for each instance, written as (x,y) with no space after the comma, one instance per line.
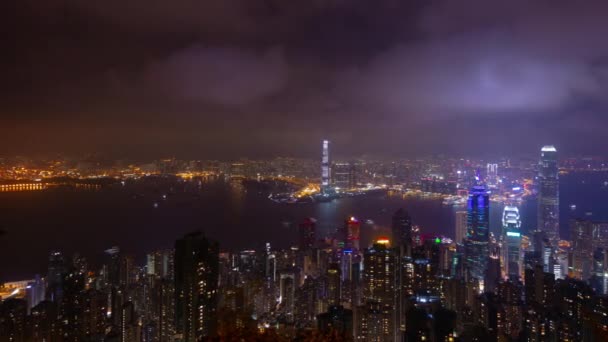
(304,170)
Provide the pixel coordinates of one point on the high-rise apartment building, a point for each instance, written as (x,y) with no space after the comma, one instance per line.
(196,286)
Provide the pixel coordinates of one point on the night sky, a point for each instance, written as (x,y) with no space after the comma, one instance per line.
(258,78)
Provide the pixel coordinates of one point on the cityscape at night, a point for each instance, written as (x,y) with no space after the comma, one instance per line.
(308,170)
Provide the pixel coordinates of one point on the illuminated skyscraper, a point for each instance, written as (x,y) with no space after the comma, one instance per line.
(349,234)
(461,226)
(548,194)
(492,175)
(478,227)
(379,276)
(511,239)
(334,286)
(325,172)
(196,282)
(343,175)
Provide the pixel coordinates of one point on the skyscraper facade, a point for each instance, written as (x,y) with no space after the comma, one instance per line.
(511,242)
(325,172)
(492,175)
(461,226)
(196,286)
(350,233)
(379,276)
(548,194)
(343,175)
(306,234)
(402,228)
(478,228)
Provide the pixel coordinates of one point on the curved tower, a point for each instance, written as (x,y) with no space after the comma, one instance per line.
(478,232)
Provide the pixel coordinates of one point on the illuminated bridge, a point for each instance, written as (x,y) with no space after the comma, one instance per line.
(38,186)
(23,187)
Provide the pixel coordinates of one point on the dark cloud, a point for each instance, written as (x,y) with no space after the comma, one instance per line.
(299,70)
(224,76)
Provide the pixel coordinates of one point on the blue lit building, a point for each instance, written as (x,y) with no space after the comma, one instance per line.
(478,232)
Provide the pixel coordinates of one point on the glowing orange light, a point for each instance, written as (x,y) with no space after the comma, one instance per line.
(383,241)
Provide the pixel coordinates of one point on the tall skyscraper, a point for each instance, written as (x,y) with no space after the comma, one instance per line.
(511,240)
(334,285)
(196,282)
(349,233)
(461,226)
(325,172)
(581,234)
(57,267)
(379,276)
(478,228)
(492,175)
(306,234)
(402,228)
(343,175)
(548,194)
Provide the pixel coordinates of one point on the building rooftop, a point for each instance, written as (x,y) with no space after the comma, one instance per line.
(548,148)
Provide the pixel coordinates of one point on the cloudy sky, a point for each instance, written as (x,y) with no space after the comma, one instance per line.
(231,78)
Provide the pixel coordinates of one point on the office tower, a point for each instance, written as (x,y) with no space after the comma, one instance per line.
(599,277)
(460,232)
(492,276)
(404,249)
(306,234)
(35,292)
(337,320)
(343,175)
(402,230)
(478,225)
(160,264)
(113,266)
(492,175)
(57,268)
(379,290)
(325,169)
(349,233)
(334,285)
(548,194)
(511,242)
(581,235)
(196,282)
(127,271)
